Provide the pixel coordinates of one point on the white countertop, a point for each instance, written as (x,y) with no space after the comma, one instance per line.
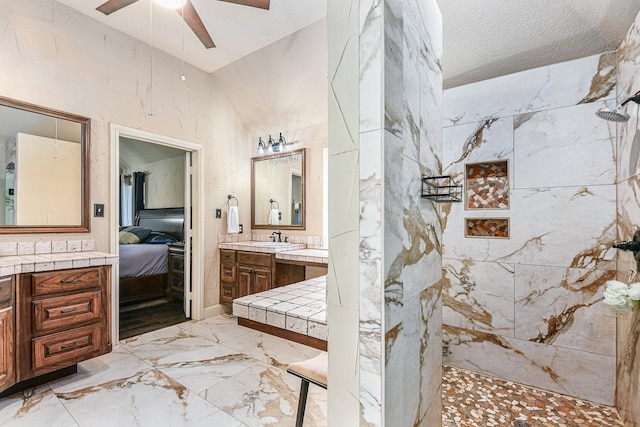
(253,246)
(16,264)
(291,251)
(319,256)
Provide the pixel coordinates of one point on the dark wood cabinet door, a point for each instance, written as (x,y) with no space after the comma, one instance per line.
(245,280)
(261,280)
(7,354)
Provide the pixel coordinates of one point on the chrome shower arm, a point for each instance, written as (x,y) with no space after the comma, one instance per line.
(635,98)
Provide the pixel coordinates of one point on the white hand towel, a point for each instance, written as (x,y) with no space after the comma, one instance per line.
(274,217)
(233,222)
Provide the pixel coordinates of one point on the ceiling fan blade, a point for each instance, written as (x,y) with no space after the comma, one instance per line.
(262,4)
(194,22)
(113,5)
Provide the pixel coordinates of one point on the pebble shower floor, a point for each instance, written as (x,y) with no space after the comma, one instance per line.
(471,399)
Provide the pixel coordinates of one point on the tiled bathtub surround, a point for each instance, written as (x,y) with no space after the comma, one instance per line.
(299,308)
(529,308)
(628,326)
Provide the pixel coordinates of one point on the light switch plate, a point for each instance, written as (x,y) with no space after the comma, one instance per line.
(98,210)
(218,213)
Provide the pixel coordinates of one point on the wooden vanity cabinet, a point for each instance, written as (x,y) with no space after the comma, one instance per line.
(254,272)
(228,277)
(244,273)
(63,317)
(7,333)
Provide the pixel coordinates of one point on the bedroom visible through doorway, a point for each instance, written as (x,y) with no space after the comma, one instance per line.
(153,186)
(156,281)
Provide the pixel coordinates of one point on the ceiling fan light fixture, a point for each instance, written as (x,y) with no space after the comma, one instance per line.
(171,4)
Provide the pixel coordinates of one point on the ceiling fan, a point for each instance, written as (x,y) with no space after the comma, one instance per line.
(191,17)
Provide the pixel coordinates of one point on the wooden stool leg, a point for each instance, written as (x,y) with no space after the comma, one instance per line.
(302,402)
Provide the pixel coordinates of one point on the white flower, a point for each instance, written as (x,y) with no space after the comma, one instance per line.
(616,295)
(634,291)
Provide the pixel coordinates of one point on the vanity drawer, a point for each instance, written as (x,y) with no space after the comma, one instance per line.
(228,273)
(66,311)
(255,259)
(229,292)
(227,256)
(65,280)
(66,348)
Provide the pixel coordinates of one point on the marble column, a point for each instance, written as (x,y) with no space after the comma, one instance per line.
(628,209)
(384,280)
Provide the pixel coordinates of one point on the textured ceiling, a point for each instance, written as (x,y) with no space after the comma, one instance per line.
(483,39)
(236,30)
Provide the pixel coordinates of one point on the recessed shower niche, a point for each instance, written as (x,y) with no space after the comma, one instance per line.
(497,228)
(487,185)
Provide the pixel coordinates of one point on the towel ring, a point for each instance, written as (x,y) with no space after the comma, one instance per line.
(272,202)
(229,197)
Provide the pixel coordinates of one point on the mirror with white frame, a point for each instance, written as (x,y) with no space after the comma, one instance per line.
(278,191)
(45,156)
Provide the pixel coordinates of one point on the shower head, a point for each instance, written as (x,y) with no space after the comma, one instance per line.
(612,114)
(616,114)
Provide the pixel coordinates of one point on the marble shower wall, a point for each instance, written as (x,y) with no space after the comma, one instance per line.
(628,326)
(408,234)
(529,308)
(382,139)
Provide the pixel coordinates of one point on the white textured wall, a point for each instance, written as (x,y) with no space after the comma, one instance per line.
(529,308)
(165,183)
(56,57)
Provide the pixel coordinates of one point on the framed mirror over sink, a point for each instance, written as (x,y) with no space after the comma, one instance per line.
(278,191)
(44,154)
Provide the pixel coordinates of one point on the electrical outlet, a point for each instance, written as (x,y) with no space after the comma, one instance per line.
(98,210)
(218,213)
(240,228)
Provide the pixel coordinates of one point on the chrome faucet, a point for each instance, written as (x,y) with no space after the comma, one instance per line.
(276,233)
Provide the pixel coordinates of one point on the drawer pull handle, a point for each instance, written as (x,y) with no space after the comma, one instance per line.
(227,273)
(68,346)
(69,281)
(69,310)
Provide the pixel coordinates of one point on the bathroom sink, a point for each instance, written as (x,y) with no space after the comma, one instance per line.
(273,244)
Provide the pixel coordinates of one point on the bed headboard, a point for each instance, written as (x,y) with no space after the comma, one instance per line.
(165,220)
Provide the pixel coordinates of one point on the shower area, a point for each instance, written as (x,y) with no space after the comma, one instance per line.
(549,187)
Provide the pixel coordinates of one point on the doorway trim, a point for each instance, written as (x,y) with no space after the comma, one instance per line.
(197,214)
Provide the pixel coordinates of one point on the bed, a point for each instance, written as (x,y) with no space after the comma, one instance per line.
(144,258)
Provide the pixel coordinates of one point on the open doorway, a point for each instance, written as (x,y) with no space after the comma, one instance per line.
(153,190)
(155,218)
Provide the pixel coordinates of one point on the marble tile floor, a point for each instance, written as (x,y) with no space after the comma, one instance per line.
(207,373)
(216,373)
(470,399)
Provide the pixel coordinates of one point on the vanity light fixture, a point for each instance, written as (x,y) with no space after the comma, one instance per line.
(272,146)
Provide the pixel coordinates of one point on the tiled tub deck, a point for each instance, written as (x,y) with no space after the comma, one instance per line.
(299,309)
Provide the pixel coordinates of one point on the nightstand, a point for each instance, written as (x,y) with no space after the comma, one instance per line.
(175,276)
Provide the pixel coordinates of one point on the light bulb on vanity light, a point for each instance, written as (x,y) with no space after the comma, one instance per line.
(261,147)
(282,143)
(271,148)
